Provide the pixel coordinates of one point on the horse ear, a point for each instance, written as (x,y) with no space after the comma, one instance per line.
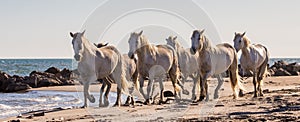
(141,32)
(95,44)
(106,44)
(83,32)
(244,34)
(71,34)
(175,37)
(235,33)
(202,31)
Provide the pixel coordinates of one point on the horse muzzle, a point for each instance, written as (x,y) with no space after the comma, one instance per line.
(77,57)
(130,55)
(193,50)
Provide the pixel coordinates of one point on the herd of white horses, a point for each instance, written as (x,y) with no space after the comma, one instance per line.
(155,62)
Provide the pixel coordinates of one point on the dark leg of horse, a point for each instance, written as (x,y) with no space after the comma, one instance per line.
(206,90)
(118,101)
(141,81)
(106,102)
(204,86)
(101,93)
(254,84)
(161,85)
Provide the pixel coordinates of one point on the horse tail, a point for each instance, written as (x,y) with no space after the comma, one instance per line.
(119,73)
(124,83)
(175,71)
(235,82)
(264,66)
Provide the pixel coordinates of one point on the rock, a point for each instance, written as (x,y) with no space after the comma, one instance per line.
(53,70)
(66,73)
(11,84)
(282,72)
(49,82)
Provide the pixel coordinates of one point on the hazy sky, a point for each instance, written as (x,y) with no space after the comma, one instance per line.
(35,28)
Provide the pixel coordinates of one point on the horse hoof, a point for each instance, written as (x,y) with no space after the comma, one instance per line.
(201,98)
(92,99)
(186,92)
(216,96)
(116,105)
(147,102)
(193,97)
(241,93)
(83,106)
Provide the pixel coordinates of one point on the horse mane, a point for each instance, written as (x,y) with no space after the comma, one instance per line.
(145,44)
(89,47)
(177,44)
(206,43)
(246,41)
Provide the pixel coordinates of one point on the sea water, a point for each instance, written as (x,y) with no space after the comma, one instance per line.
(14,104)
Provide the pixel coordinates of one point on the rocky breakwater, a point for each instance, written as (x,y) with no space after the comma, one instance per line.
(282,68)
(51,77)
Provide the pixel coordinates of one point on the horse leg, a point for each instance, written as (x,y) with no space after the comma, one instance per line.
(106,102)
(174,79)
(204,87)
(141,81)
(220,83)
(118,101)
(206,90)
(101,93)
(196,83)
(254,84)
(86,94)
(161,85)
(149,90)
(260,79)
(181,84)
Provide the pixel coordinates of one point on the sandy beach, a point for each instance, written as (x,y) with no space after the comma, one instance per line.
(281,102)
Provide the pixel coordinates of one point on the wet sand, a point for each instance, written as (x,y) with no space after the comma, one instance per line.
(281,102)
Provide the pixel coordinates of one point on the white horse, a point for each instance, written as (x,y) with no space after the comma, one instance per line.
(214,61)
(254,58)
(188,63)
(131,75)
(98,63)
(151,58)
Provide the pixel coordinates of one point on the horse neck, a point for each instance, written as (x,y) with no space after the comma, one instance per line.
(245,49)
(206,44)
(145,48)
(89,49)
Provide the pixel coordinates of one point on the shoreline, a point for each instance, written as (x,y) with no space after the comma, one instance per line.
(287,88)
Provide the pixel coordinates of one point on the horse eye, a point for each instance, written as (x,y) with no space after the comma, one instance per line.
(240,41)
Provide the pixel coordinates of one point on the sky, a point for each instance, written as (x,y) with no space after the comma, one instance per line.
(40,29)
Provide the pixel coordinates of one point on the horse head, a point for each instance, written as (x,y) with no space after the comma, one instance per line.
(77,45)
(197,41)
(134,43)
(239,41)
(171,40)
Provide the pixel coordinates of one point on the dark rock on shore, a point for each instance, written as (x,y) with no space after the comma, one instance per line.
(282,68)
(12,83)
(51,77)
